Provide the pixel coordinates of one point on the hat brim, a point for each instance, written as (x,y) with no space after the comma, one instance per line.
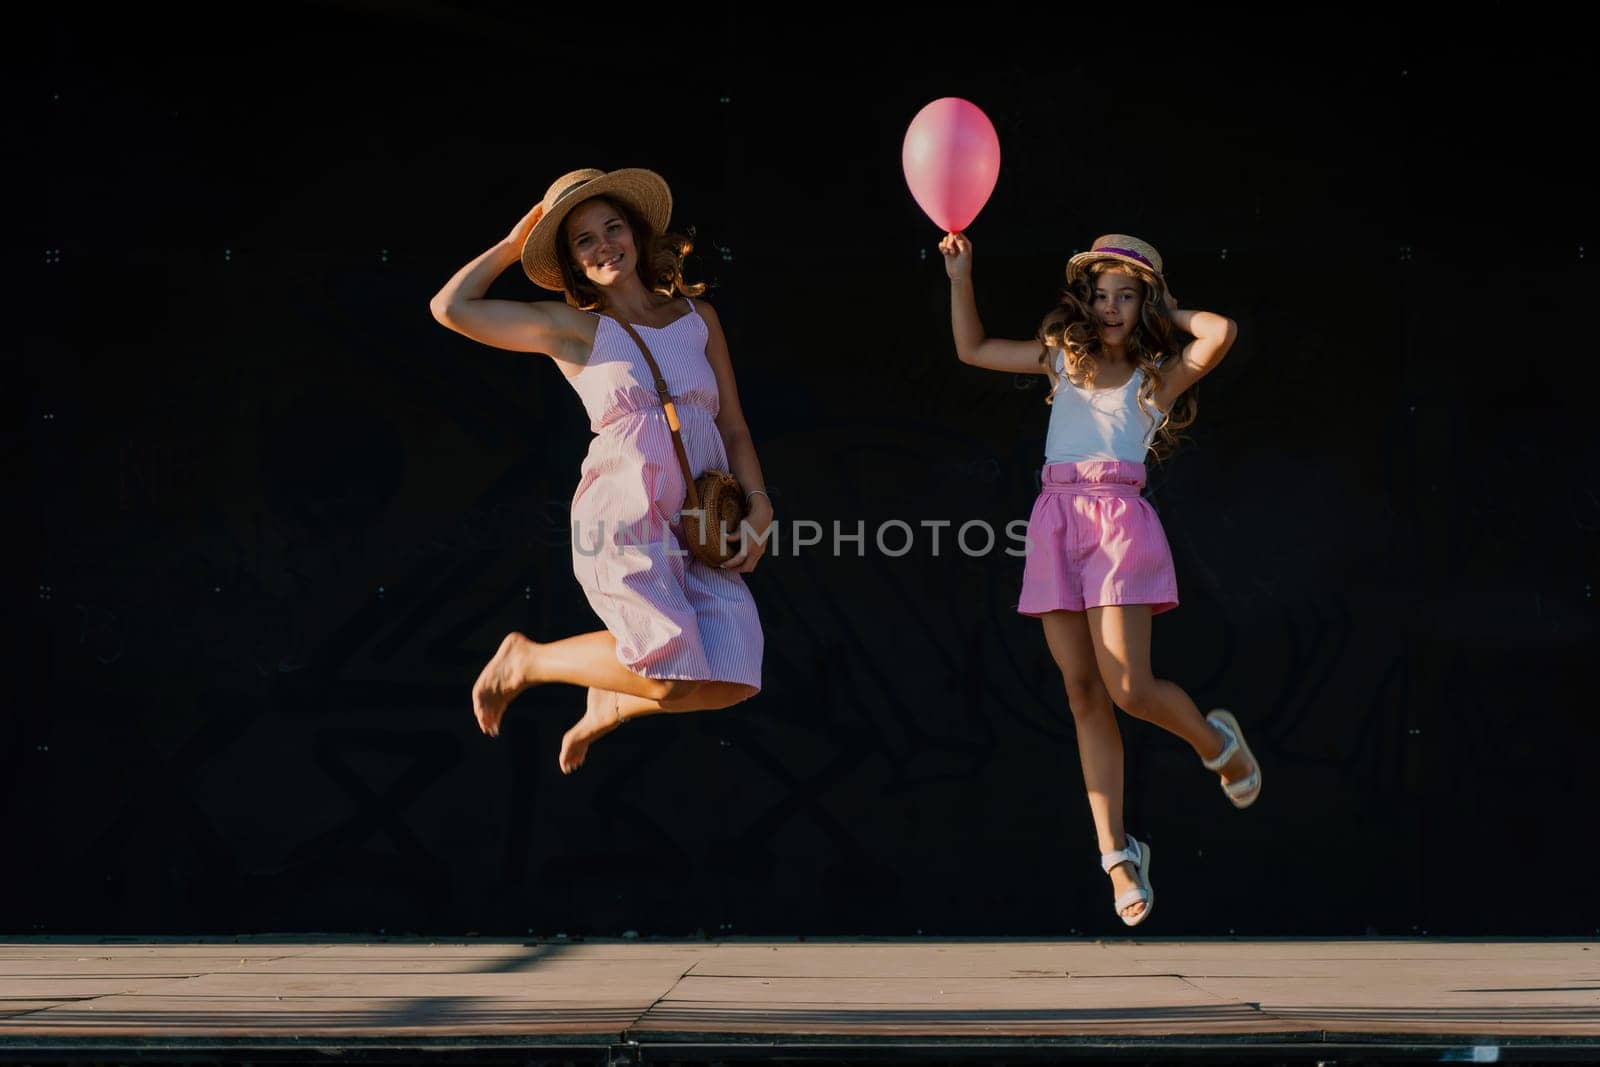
(644,191)
(1083,260)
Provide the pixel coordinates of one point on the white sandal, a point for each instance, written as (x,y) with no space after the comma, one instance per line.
(1139,856)
(1242,791)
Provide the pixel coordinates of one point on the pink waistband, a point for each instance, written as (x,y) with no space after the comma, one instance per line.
(1093,478)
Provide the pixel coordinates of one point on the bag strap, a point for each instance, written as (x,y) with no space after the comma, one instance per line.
(693,494)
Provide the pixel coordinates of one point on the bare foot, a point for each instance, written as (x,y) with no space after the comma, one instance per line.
(600,717)
(503,677)
(1122,880)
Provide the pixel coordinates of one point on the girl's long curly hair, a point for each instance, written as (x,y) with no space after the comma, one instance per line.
(660,267)
(1070,326)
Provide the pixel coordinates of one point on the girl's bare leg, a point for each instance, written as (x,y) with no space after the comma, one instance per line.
(1099,740)
(1121,637)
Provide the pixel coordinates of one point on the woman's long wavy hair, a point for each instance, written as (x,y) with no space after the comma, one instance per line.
(661,259)
(1070,326)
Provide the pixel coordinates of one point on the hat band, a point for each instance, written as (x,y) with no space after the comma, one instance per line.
(1130,253)
(569,190)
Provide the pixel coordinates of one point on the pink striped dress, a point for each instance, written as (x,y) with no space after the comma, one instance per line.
(672,616)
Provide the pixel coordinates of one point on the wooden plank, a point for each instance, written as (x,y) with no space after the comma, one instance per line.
(1365,949)
(978,992)
(924,959)
(22,1007)
(163,1017)
(949,1007)
(1408,1002)
(613,950)
(1507,968)
(70,988)
(622,986)
(92,950)
(138,967)
(599,969)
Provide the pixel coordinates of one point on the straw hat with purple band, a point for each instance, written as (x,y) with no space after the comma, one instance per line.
(644,190)
(1115,246)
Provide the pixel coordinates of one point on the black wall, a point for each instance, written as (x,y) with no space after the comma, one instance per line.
(273,518)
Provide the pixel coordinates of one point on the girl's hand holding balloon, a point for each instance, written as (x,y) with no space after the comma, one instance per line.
(957,256)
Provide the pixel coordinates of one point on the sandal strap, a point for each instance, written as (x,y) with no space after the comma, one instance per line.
(1220,760)
(1132,854)
(1244,786)
(1137,895)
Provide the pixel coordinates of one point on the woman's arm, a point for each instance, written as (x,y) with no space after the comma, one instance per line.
(548,326)
(972,346)
(736,439)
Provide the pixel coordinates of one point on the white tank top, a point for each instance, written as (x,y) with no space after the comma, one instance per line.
(1087,424)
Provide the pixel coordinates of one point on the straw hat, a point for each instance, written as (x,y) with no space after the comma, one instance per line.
(1115,246)
(644,191)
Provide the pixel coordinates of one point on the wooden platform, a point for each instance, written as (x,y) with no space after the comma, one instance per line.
(314,1000)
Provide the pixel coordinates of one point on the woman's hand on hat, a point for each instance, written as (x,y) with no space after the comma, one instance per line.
(1167,298)
(519,232)
(957,252)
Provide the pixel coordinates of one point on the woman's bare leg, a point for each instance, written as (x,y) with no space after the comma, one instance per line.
(605,711)
(586,659)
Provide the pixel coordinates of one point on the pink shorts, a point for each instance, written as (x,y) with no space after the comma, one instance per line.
(1093,541)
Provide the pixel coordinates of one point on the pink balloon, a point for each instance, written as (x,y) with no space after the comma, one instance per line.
(951,157)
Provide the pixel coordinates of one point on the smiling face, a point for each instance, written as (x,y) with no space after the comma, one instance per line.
(600,242)
(1116,301)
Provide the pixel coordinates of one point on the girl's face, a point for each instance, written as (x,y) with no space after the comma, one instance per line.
(1117,300)
(601,242)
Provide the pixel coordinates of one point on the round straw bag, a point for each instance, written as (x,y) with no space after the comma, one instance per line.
(711,522)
